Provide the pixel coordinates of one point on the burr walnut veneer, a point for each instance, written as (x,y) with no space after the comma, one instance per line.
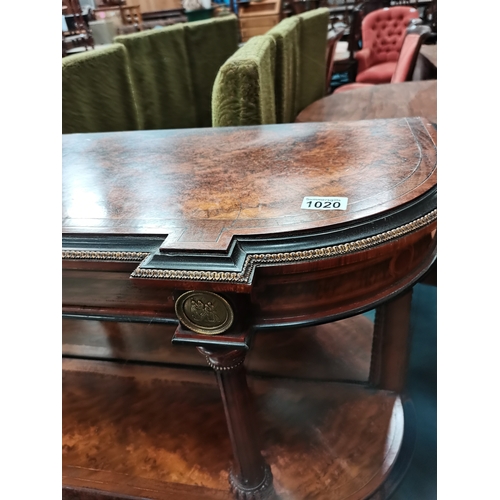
(205,239)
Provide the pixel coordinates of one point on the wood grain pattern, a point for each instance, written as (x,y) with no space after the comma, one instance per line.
(391,344)
(216,210)
(281,295)
(124,432)
(257,244)
(250,476)
(188,179)
(392,100)
(333,351)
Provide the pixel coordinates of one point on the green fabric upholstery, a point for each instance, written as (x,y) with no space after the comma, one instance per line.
(209,44)
(243,91)
(162,77)
(286,34)
(313,40)
(97,93)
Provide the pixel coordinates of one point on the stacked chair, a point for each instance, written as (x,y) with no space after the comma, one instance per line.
(274,76)
(97,92)
(244,90)
(193,75)
(155,79)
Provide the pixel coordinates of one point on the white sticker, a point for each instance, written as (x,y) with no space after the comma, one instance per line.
(324,203)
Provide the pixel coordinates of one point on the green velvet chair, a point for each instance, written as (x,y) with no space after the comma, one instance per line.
(243,92)
(161,77)
(209,44)
(174,68)
(97,93)
(274,76)
(312,48)
(286,34)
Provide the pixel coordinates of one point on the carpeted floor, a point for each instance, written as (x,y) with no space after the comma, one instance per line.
(420,482)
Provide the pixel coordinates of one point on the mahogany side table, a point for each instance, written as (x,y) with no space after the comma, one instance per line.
(221,236)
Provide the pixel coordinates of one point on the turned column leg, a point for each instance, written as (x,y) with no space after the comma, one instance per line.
(250,477)
(391,344)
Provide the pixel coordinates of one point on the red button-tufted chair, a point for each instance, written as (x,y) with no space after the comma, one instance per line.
(382,33)
(405,65)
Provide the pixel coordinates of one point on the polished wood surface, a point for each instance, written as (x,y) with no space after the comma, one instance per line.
(189,195)
(391,344)
(147,432)
(230,221)
(149,215)
(392,100)
(250,475)
(333,351)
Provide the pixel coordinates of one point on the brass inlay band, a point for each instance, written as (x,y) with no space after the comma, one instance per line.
(93,255)
(204,312)
(254,260)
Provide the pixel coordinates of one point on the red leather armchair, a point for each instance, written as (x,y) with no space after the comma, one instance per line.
(415,36)
(382,33)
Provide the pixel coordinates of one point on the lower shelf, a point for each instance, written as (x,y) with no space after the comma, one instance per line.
(132,431)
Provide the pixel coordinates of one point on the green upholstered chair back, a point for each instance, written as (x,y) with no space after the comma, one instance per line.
(312,47)
(209,44)
(243,92)
(174,68)
(97,93)
(162,78)
(286,34)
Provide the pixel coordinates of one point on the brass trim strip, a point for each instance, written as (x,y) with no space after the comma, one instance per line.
(253,260)
(93,255)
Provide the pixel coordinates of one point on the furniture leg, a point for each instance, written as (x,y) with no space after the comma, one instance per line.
(250,477)
(391,344)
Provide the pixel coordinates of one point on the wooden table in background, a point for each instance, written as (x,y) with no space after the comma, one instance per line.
(391,100)
(180,242)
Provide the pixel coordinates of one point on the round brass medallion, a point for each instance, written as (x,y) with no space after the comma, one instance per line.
(204,312)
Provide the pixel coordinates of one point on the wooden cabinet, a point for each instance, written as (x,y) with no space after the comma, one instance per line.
(155,5)
(257,18)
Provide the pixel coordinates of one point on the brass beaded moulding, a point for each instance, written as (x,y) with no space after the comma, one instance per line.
(253,260)
(99,255)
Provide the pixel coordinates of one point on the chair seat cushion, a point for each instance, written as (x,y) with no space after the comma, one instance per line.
(352,86)
(380,73)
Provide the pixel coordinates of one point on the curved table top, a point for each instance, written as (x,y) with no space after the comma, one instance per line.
(391,100)
(224,210)
(201,188)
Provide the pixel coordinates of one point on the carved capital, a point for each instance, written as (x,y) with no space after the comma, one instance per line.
(224,360)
